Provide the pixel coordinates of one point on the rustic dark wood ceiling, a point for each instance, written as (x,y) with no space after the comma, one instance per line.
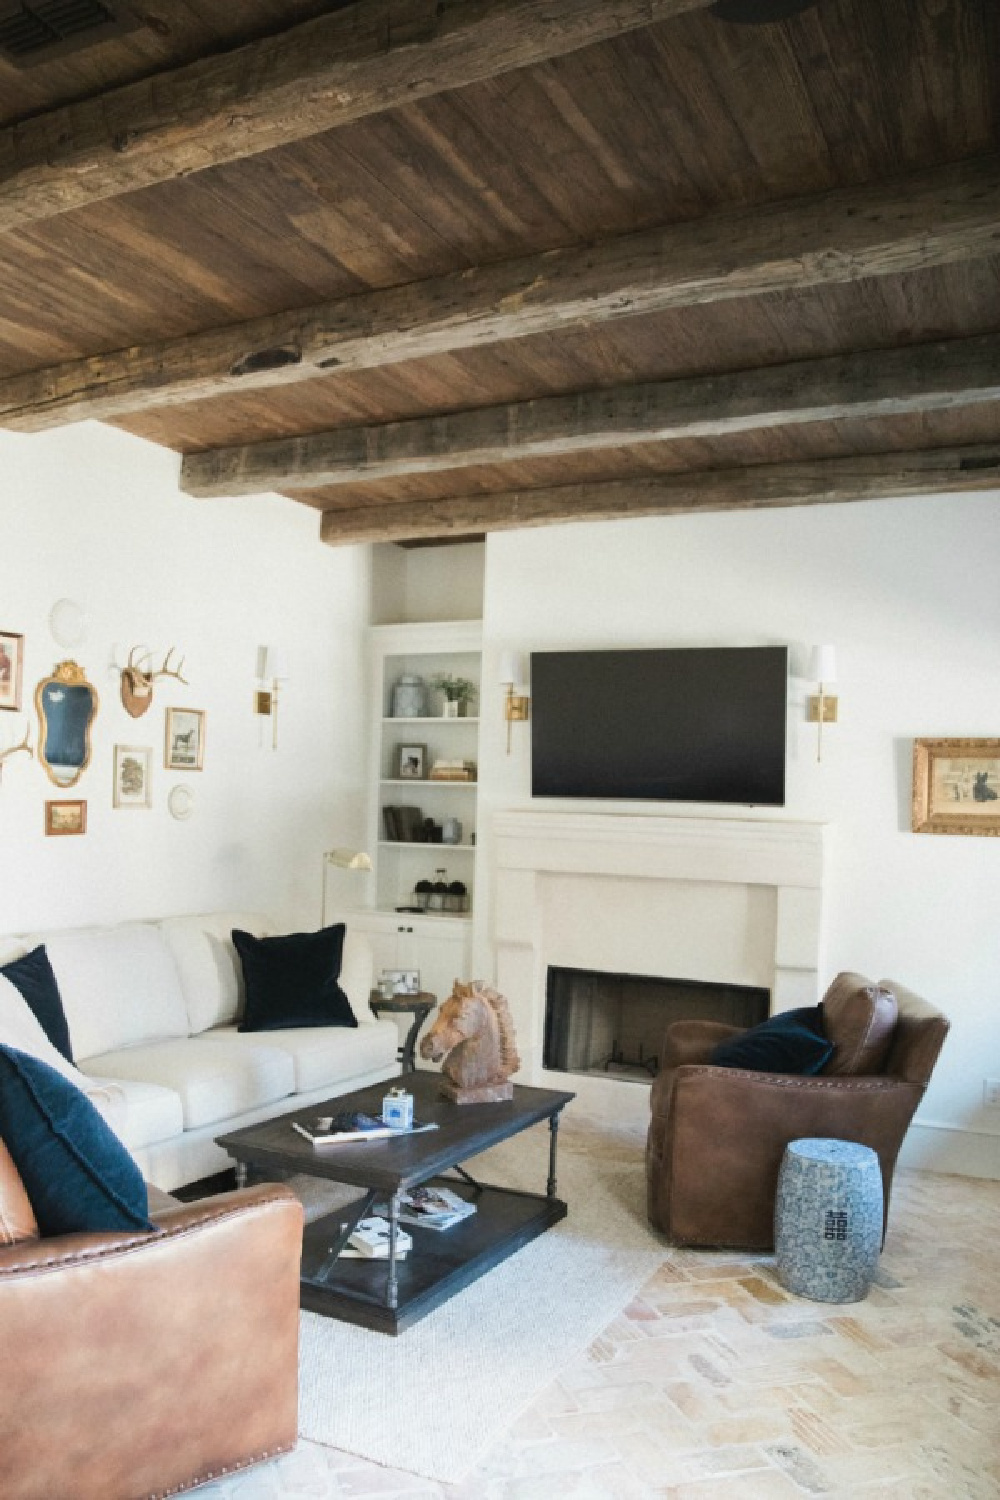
(668,124)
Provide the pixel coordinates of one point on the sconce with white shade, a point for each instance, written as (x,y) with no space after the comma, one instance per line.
(511,674)
(353,865)
(272,669)
(822,708)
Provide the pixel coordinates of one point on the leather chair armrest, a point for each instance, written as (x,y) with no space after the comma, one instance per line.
(694,1041)
(144,1363)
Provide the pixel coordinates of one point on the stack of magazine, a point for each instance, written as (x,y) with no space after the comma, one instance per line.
(355,1125)
(434,1207)
(370,1241)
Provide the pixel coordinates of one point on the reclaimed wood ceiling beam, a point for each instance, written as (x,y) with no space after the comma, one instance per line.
(881,476)
(879,383)
(371,57)
(924,219)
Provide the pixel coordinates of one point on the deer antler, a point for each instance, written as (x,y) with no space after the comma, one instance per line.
(166,671)
(133,666)
(5,754)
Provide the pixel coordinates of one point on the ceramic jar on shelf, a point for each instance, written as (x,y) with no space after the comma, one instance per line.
(409,698)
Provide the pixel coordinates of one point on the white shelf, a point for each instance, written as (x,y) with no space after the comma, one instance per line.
(416,845)
(422,781)
(429,719)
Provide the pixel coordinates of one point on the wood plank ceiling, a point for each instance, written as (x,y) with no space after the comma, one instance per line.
(439,268)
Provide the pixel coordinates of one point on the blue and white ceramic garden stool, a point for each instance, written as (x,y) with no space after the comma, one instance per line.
(828,1219)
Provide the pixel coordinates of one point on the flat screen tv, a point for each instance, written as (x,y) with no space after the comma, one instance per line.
(698,724)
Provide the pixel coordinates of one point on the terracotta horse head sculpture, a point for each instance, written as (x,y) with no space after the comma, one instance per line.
(474,1034)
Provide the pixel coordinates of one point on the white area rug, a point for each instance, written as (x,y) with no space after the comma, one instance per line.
(434,1399)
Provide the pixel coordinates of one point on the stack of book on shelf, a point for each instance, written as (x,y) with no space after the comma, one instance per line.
(452,770)
(403,825)
(434,1207)
(370,1241)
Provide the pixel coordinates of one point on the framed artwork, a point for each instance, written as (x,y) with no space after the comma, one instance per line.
(11,664)
(133,776)
(184,749)
(411,762)
(403,981)
(65,817)
(956,786)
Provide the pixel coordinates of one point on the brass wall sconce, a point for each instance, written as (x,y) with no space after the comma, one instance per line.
(272,669)
(515,709)
(822,706)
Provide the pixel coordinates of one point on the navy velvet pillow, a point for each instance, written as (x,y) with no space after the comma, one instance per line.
(792,1042)
(33,976)
(292,980)
(76,1172)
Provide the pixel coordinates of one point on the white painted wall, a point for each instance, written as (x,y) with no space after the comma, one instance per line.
(95,515)
(908,592)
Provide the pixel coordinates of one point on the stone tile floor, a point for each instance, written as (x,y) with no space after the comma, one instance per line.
(715,1382)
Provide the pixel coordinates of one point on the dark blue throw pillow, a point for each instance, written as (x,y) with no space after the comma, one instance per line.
(792,1042)
(292,980)
(77,1174)
(33,976)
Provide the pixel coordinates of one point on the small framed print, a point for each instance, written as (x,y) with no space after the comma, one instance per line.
(11,664)
(65,817)
(956,786)
(133,776)
(184,749)
(411,762)
(403,981)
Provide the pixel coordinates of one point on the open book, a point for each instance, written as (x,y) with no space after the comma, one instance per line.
(355,1125)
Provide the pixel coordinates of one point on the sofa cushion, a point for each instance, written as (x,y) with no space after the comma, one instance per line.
(357,975)
(209,971)
(140,1114)
(76,1172)
(213,1080)
(292,980)
(20,1028)
(327,1056)
(32,975)
(859,1018)
(119,986)
(17,1221)
(790,1042)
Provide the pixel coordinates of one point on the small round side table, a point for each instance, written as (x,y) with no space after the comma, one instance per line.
(828,1219)
(420,1005)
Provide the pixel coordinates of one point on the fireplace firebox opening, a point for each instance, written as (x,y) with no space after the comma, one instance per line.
(613,1025)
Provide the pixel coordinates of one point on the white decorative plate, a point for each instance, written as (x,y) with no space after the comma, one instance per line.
(180,802)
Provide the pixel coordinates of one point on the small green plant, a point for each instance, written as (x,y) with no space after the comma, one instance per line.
(455,689)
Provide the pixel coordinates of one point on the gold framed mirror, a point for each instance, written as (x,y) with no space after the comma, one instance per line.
(67,705)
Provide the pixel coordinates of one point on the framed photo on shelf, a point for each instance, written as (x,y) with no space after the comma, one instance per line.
(133,776)
(11,664)
(403,981)
(411,762)
(956,786)
(184,749)
(65,817)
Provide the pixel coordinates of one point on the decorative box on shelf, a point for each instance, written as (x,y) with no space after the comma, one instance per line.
(453,770)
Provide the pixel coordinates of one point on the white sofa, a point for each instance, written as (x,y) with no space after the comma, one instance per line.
(152,1009)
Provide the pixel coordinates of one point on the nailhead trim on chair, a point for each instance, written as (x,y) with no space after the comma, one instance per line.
(247,1463)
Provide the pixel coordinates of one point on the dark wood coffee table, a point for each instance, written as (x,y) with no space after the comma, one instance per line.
(389,1295)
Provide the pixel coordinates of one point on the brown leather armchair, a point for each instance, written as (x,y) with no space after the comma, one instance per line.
(717,1135)
(140,1365)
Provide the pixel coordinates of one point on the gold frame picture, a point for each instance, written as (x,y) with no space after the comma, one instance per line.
(65,817)
(411,762)
(956,786)
(184,742)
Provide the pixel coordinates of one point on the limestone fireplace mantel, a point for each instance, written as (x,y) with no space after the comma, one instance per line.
(735,900)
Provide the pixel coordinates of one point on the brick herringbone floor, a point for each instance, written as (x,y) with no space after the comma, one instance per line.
(717,1383)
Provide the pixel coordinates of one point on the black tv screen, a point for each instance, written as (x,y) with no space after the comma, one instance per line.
(699,724)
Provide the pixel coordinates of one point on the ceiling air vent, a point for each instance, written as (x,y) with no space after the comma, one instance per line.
(32,31)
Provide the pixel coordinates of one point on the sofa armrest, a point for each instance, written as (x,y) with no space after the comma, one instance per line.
(728,1129)
(138,1363)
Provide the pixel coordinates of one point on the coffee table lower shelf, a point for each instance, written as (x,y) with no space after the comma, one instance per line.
(440,1264)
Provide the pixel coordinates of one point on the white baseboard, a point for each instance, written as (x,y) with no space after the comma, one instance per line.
(948,1148)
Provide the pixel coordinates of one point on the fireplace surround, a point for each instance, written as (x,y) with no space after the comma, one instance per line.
(730,901)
